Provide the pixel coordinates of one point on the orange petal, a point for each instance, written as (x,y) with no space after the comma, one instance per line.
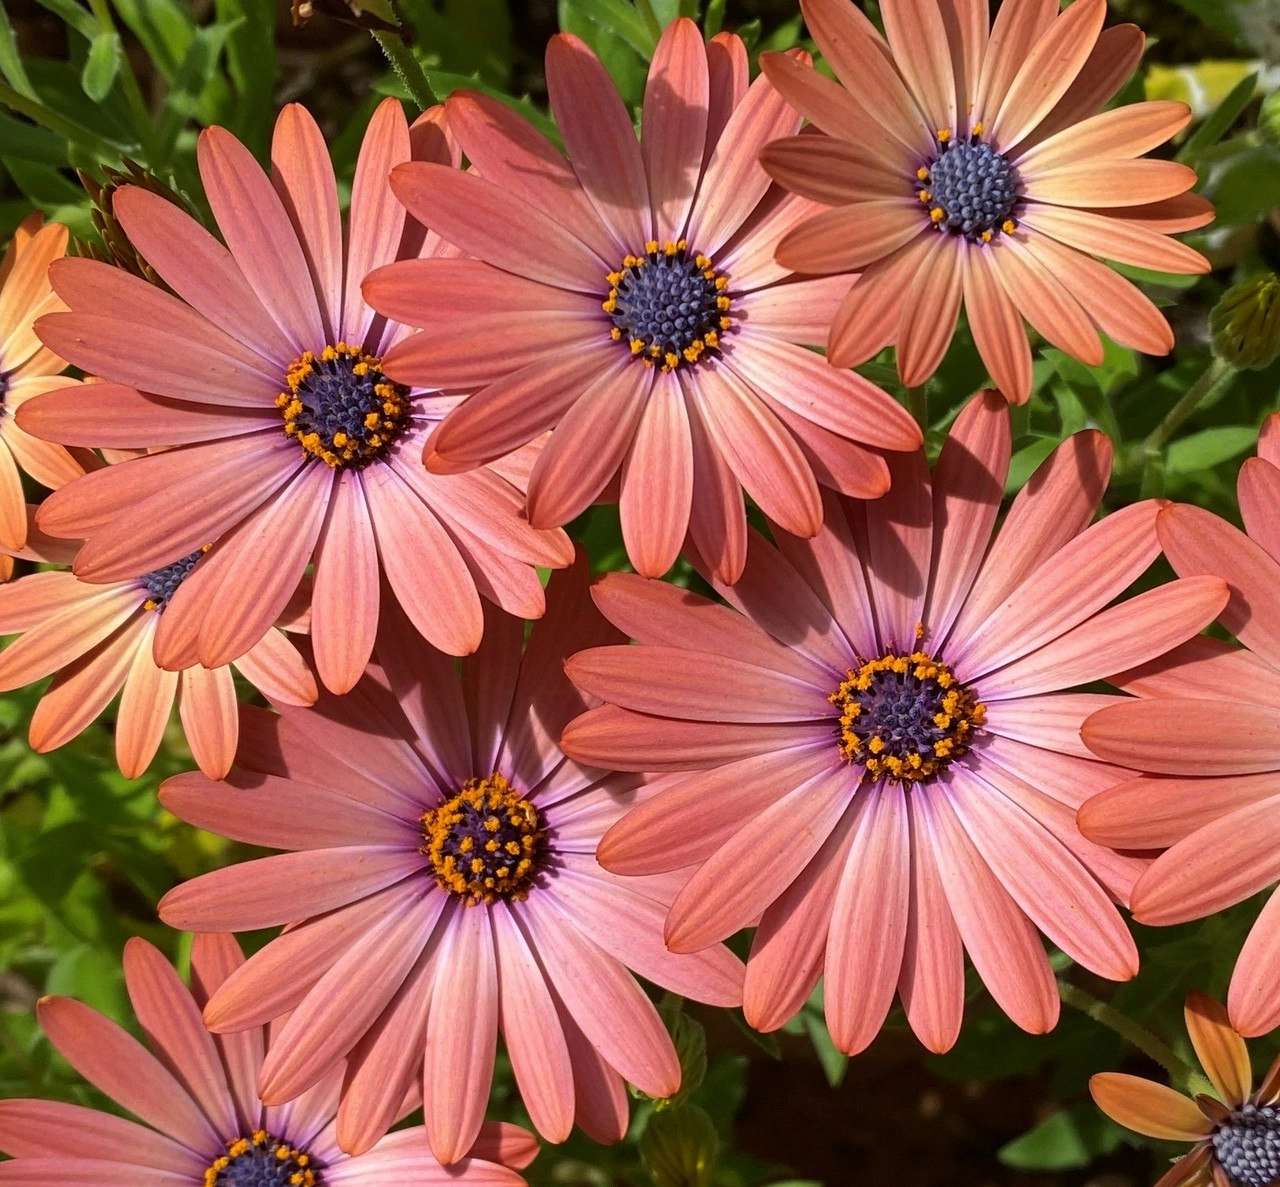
(1221,1051)
(1148,1108)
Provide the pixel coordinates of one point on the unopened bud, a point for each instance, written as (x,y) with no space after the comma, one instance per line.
(1245,323)
(1269,119)
(679,1147)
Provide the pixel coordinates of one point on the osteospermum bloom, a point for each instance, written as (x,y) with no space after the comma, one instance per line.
(27,368)
(99,641)
(203,1123)
(1237,1136)
(443,880)
(882,765)
(290,446)
(628,300)
(1207,728)
(973,167)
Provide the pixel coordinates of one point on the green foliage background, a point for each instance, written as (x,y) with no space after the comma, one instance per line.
(85,854)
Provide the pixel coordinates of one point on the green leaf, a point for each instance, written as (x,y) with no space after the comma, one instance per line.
(102,65)
(1027,456)
(1069,1138)
(618,19)
(198,70)
(252,64)
(1209,447)
(11,67)
(165,28)
(1219,122)
(444,84)
(834,1062)
(80,19)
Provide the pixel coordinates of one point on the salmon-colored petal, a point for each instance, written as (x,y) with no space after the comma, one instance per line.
(601,141)
(260,236)
(1122,183)
(735,181)
(1117,307)
(82,690)
(49,464)
(657,481)
(930,308)
(376,218)
(899,533)
(1121,133)
(26,282)
(472,213)
(858,55)
(837,463)
(1252,1000)
(760,450)
(1016,29)
(730,74)
(918,39)
(831,171)
(207,707)
(1123,240)
(1196,541)
(851,238)
(965,23)
(1216,867)
(1258,489)
(145,707)
(718,518)
(1046,303)
(870,316)
(821,100)
(1221,1051)
(1048,70)
(1148,1108)
(64,636)
(303,177)
(997,327)
(800,311)
(869,921)
(47,1129)
(674,126)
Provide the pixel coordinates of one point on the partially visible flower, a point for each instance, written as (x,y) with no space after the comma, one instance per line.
(1245,323)
(115,246)
(203,1124)
(973,168)
(628,300)
(879,756)
(99,640)
(1237,1136)
(1207,728)
(27,369)
(442,883)
(277,437)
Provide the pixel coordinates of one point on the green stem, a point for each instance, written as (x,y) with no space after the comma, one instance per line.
(650,19)
(1181,1072)
(147,138)
(406,66)
(1146,455)
(47,118)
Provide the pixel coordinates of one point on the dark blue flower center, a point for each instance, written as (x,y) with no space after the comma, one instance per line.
(970,190)
(904,717)
(261,1160)
(1247,1146)
(161,584)
(669,305)
(485,843)
(341,408)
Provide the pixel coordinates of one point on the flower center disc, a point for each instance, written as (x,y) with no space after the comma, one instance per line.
(341,408)
(669,306)
(485,843)
(904,717)
(969,190)
(261,1161)
(162,583)
(1247,1145)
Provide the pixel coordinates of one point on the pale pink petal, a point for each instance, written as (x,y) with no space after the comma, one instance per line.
(968,487)
(57,1172)
(965,22)
(462,1033)
(1043,77)
(118,1065)
(736,883)
(1063,777)
(49,464)
(376,220)
(837,463)
(601,141)
(145,707)
(272,891)
(531,1030)
(31,600)
(600,1095)
(1216,867)
(1050,721)
(674,126)
(304,180)
(1004,946)
(657,480)
(274,667)
(200,270)
(899,534)
(869,920)
(799,311)
(718,519)
(68,634)
(47,1129)
(260,236)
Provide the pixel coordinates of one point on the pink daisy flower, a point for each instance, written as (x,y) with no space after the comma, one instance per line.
(1236,1136)
(290,446)
(628,300)
(972,167)
(880,761)
(99,640)
(27,368)
(203,1124)
(1207,729)
(442,880)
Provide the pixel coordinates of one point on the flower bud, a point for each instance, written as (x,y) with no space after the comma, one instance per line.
(1269,119)
(679,1147)
(1245,323)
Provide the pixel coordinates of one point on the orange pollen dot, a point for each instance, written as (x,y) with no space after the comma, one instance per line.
(485,843)
(261,1160)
